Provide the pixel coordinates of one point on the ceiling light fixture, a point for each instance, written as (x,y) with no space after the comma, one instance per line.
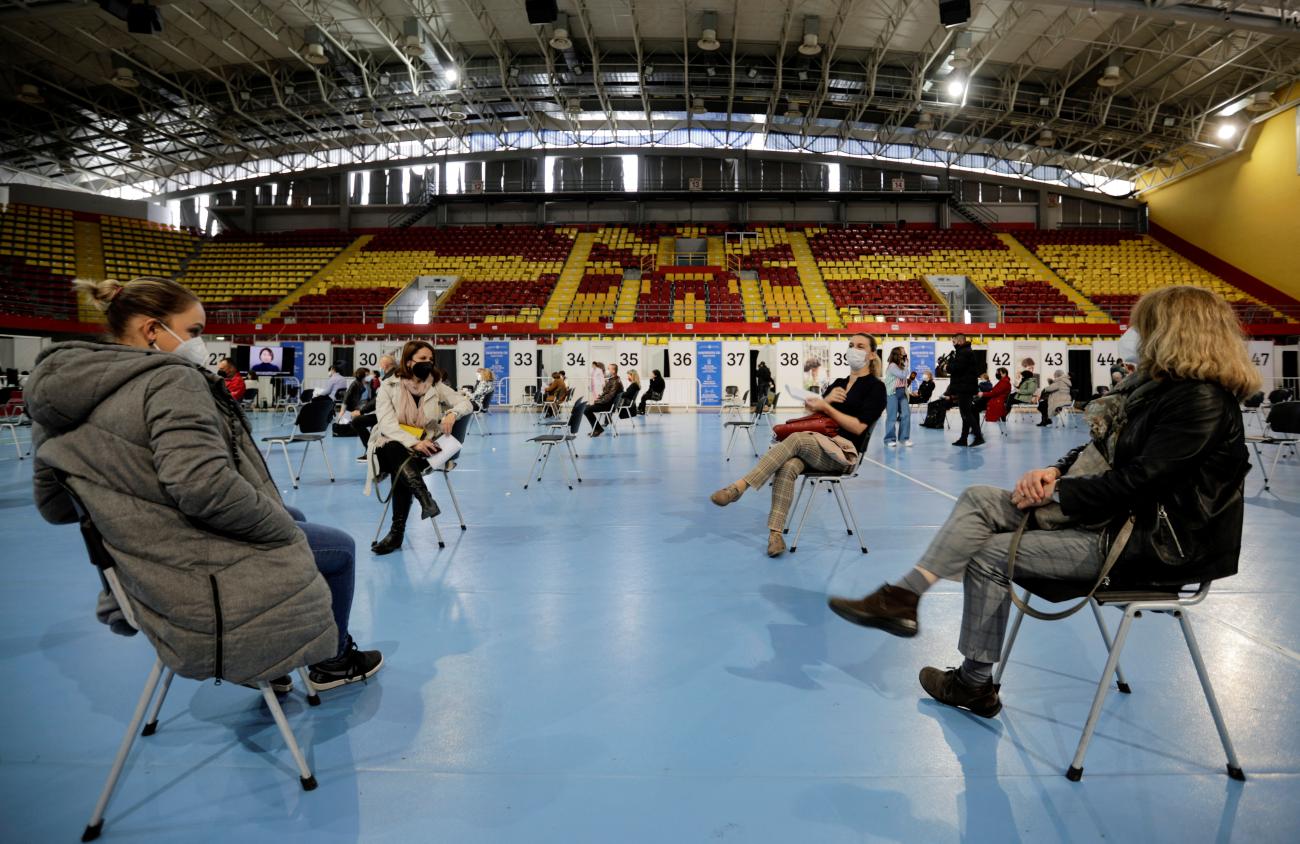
(793,111)
(560,33)
(956,88)
(961,51)
(1262,101)
(811,26)
(751,73)
(451,75)
(1110,76)
(314,51)
(925,122)
(124,78)
(30,94)
(1046,138)
(412,38)
(709,36)
(697,106)
(1226,131)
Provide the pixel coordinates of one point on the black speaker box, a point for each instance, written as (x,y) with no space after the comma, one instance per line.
(541,11)
(954,12)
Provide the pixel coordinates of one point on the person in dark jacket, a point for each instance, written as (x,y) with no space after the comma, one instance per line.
(962,386)
(224,580)
(854,403)
(924,389)
(1173,441)
(611,391)
(655,391)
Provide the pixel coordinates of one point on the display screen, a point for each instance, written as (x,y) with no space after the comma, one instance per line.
(268,360)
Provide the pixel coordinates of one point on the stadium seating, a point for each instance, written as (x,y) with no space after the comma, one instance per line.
(138,247)
(1032,301)
(863,300)
(1114,268)
(37,262)
(238,276)
(690,296)
(597,297)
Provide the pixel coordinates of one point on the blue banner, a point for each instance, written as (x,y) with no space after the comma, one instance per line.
(496,357)
(708,368)
(299,358)
(922,358)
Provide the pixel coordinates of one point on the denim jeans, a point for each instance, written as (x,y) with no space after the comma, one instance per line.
(336,556)
(898,416)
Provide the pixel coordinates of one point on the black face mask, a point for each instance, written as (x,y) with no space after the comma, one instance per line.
(422,370)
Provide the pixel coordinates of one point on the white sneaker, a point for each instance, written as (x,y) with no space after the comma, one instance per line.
(891,444)
(907,443)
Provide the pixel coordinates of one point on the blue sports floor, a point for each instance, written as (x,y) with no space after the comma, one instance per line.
(621,663)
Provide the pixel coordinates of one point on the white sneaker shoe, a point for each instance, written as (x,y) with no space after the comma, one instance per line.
(907,443)
(891,444)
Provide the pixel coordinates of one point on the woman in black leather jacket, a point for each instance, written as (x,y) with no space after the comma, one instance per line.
(1175,457)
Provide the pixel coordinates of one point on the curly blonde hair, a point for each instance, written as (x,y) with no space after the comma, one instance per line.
(1189,333)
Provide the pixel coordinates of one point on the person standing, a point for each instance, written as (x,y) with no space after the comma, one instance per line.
(962,386)
(898,413)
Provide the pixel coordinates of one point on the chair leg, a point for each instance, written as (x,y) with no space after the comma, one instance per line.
(749,432)
(383,517)
(1259,461)
(325,454)
(446,478)
(289,464)
(1234,767)
(853,520)
(1120,682)
(538,459)
(437,531)
(731,440)
(304,773)
(96,825)
(812,496)
(151,726)
(313,699)
(547,459)
(573,456)
(565,470)
(834,490)
(1075,773)
(798,499)
(1011,641)
(13,432)
(302,464)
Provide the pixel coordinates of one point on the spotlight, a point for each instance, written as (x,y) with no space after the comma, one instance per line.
(709,37)
(956,88)
(560,34)
(811,25)
(1226,131)
(648,71)
(30,94)
(514,71)
(803,75)
(451,75)
(1262,101)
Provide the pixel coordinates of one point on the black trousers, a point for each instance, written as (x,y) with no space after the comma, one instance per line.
(647,397)
(593,409)
(1042,411)
(970,418)
(391,456)
(362,423)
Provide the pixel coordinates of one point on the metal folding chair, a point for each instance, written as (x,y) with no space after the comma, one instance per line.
(160,675)
(313,418)
(13,433)
(809,481)
(736,426)
(458,431)
(1283,418)
(1171,601)
(546,442)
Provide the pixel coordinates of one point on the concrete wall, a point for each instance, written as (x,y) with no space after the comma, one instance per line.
(86,202)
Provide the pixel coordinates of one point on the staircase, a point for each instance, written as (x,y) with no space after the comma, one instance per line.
(1042,272)
(814,286)
(716,253)
(667,252)
(557,307)
(316,281)
(90,263)
(751,297)
(980,216)
(185,262)
(625,311)
(413,212)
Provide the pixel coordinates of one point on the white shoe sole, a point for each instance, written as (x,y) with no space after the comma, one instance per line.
(334,684)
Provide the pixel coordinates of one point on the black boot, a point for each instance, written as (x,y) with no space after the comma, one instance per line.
(397,531)
(412,478)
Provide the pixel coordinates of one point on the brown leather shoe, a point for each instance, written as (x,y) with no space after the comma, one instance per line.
(725,496)
(947,687)
(775,544)
(889,608)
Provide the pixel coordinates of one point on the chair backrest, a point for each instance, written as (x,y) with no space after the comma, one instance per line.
(1284,418)
(459,430)
(1278,396)
(316,415)
(575,418)
(1255,400)
(730,392)
(98,553)
(308,393)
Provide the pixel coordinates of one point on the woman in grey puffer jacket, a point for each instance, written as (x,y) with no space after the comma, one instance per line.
(221,576)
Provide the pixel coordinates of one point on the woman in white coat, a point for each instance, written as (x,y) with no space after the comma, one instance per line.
(413,397)
(1054,397)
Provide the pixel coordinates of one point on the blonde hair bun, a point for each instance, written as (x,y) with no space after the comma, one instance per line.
(101,292)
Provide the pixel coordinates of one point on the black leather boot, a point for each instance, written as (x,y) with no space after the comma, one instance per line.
(397,531)
(413,480)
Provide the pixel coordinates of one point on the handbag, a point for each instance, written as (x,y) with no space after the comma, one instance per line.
(817,423)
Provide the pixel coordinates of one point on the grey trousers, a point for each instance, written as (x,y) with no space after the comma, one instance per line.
(784,462)
(973,546)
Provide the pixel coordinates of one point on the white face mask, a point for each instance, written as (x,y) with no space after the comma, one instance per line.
(1130,345)
(856,358)
(193,350)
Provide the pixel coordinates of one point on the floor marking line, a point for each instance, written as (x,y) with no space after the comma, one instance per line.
(917,481)
(1281,650)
